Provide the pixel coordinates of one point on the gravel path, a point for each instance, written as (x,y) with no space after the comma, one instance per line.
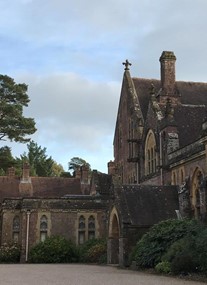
(76,274)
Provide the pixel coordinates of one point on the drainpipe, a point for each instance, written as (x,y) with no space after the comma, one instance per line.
(161,169)
(27,234)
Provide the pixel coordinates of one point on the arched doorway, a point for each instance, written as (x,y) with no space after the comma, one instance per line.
(113,238)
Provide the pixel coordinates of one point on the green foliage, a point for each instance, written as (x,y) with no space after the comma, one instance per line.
(163,267)
(6,159)
(13,97)
(9,253)
(200,250)
(65,174)
(57,169)
(184,262)
(40,163)
(189,254)
(76,162)
(150,249)
(183,244)
(93,251)
(54,250)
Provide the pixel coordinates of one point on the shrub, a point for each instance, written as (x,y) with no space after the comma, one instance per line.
(163,267)
(201,250)
(9,253)
(189,254)
(93,251)
(184,262)
(176,248)
(150,249)
(54,250)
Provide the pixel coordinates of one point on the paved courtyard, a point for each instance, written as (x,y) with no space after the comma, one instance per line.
(75,274)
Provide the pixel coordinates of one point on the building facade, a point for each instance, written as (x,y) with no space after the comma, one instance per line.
(159,172)
(33,208)
(160,143)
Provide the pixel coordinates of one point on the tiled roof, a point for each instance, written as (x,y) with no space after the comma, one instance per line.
(42,186)
(144,205)
(189,119)
(194,93)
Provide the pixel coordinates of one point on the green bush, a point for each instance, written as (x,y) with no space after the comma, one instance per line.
(201,250)
(188,254)
(9,253)
(93,251)
(54,250)
(155,243)
(183,244)
(184,262)
(163,267)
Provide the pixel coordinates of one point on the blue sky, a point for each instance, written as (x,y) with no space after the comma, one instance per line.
(70,54)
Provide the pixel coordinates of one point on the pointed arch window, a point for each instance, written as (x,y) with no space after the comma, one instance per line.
(16,229)
(91,228)
(174,178)
(43,228)
(181,176)
(150,154)
(81,230)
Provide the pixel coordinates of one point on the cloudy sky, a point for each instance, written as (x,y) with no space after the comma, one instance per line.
(70,53)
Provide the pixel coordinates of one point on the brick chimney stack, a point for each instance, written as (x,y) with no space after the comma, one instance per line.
(167,61)
(25,185)
(25,172)
(111,167)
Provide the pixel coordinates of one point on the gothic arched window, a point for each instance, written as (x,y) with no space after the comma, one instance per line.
(16,228)
(81,230)
(43,228)
(91,228)
(150,153)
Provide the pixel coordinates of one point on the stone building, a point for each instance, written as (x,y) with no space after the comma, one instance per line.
(33,208)
(160,148)
(159,172)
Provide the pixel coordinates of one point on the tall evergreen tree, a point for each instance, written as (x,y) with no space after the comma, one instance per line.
(40,163)
(13,97)
(6,159)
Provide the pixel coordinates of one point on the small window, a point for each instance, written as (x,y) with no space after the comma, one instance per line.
(16,229)
(81,230)
(43,228)
(91,227)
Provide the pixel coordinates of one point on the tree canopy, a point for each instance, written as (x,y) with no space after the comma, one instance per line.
(6,159)
(76,162)
(13,97)
(40,163)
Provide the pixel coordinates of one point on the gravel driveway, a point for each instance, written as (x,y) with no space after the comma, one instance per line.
(76,274)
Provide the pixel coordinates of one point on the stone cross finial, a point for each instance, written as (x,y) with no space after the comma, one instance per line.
(127,64)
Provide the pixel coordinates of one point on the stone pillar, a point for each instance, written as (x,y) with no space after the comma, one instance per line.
(113,251)
(123,252)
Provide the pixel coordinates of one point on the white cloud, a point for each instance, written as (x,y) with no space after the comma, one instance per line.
(70,53)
